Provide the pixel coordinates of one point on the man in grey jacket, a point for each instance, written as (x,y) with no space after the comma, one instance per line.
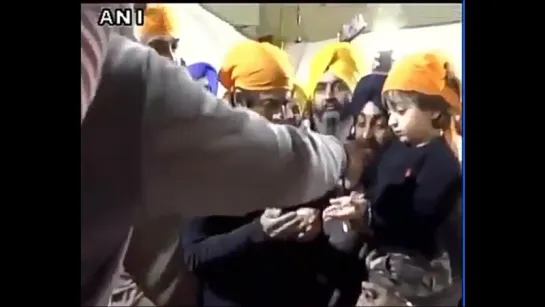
(154,143)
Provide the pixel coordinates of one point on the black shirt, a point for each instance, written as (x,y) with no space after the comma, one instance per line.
(412,191)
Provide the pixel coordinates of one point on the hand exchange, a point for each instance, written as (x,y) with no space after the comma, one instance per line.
(302,225)
(280,226)
(311,226)
(346,208)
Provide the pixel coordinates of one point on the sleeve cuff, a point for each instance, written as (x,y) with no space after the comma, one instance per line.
(257,233)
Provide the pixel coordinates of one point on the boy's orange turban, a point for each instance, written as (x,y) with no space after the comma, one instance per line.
(428,73)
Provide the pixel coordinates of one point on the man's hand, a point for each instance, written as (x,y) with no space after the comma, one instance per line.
(346,208)
(311,226)
(280,226)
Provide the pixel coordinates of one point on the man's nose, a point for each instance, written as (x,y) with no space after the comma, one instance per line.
(367,133)
(330,93)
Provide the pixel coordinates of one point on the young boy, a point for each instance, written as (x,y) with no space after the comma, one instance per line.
(417,183)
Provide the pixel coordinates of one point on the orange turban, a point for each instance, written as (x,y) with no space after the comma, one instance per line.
(159,21)
(252,65)
(342,59)
(427,73)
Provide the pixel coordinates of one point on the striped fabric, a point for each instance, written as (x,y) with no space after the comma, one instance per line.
(94,41)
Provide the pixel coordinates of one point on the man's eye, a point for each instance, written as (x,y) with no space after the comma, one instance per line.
(379,121)
(320,88)
(341,87)
(361,122)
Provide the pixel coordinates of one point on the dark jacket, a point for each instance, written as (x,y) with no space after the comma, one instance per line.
(413,191)
(414,194)
(238,266)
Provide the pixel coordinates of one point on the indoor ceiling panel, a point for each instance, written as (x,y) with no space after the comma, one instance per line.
(323,21)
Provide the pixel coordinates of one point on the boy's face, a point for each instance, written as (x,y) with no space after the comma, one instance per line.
(409,123)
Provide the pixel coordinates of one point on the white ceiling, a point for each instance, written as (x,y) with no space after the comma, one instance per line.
(323,21)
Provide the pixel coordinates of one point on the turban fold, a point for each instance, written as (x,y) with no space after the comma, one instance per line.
(369,88)
(252,65)
(340,58)
(299,97)
(159,22)
(204,70)
(428,73)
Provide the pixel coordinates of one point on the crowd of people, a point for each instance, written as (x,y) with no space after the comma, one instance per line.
(342,191)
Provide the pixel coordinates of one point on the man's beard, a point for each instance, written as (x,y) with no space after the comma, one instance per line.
(330,123)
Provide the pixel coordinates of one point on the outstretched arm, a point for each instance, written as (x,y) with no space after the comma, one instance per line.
(201,151)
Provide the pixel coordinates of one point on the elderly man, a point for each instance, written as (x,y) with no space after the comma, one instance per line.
(334,73)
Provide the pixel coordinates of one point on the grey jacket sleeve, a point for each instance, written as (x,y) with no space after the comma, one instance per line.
(202,157)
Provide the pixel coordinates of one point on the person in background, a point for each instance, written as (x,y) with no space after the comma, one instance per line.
(258,76)
(206,75)
(151,137)
(299,104)
(334,72)
(417,184)
(371,129)
(268,257)
(159,30)
(376,295)
(372,133)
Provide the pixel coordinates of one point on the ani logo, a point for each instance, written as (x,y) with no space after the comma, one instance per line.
(121,17)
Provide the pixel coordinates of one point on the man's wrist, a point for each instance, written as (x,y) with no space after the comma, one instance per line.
(258,235)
